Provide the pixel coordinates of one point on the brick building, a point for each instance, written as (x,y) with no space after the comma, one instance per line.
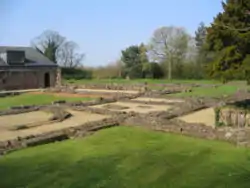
(26,68)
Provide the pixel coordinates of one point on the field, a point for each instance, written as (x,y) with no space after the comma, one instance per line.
(220,91)
(128,157)
(36,99)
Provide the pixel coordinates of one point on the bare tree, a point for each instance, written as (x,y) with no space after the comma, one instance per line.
(68,56)
(48,44)
(169,44)
(58,49)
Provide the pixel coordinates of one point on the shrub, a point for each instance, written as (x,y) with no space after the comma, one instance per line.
(75,73)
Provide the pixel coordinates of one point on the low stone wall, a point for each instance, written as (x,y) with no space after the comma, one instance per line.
(167,122)
(33,140)
(232,117)
(29,108)
(130,86)
(18,111)
(24,109)
(180,109)
(104,111)
(159,121)
(232,135)
(111,86)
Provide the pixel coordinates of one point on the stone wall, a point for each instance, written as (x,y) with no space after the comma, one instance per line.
(233,117)
(26,78)
(74,105)
(168,122)
(158,121)
(161,123)
(33,140)
(112,86)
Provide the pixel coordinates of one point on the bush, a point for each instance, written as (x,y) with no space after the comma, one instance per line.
(75,73)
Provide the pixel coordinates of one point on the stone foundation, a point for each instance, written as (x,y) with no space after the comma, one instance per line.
(159,121)
(233,117)
(19,143)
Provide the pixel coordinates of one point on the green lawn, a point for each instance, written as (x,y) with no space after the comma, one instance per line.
(34,99)
(128,157)
(210,91)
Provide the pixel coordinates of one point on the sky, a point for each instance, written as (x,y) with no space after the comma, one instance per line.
(101,28)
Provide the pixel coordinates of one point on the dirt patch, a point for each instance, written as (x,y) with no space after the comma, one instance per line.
(78,118)
(9,121)
(134,107)
(76,95)
(115,107)
(144,106)
(205,116)
(148,99)
(107,91)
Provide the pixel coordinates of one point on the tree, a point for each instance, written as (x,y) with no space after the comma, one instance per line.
(169,45)
(48,43)
(200,36)
(201,57)
(133,58)
(68,56)
(146,67)
(156,70)
(58,49)
(229,39)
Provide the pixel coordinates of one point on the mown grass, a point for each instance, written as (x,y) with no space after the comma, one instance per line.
(223,90)
(35,99)
(128,157)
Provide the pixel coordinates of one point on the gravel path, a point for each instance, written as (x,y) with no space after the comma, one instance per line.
(22,119)
(107,91)
(147,99)
(205,116)
(77,119)
(134,107)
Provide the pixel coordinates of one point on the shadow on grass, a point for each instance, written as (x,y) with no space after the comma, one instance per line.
(176,170)
(57,173)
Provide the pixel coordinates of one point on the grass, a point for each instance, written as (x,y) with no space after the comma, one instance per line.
(34,99)
(128,157)
(220,91)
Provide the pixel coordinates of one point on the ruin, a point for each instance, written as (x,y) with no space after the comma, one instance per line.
(32,125)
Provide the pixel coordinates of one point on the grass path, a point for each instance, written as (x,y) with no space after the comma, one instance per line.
(35,99)
(128,157)
(220,91)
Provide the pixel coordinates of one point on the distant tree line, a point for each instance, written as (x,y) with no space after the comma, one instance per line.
(219,51)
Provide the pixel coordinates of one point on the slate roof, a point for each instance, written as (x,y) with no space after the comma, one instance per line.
(34,57)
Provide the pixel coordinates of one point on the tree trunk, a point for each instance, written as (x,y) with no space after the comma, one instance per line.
(169,70)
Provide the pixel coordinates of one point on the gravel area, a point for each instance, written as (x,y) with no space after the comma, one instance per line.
(77,119)
(133,107)
(206,116)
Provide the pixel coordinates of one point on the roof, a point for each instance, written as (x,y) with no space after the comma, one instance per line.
(35,58)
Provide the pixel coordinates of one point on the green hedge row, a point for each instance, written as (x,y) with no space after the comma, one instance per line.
(76,74)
